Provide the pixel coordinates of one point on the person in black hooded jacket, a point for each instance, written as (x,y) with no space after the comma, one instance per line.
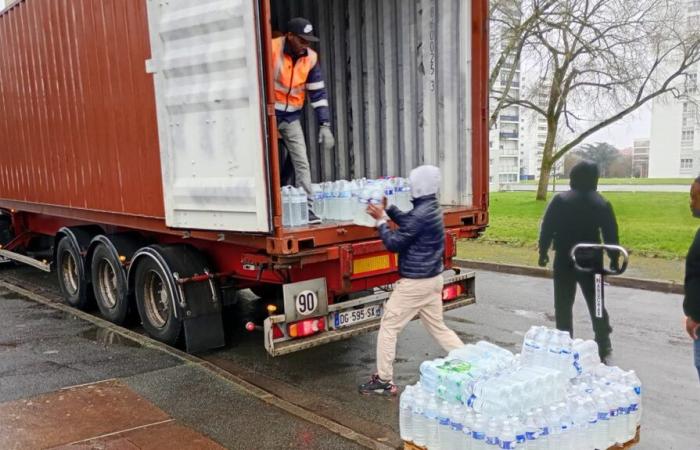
(580,215)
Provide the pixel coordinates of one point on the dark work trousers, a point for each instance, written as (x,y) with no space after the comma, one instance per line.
(565,279)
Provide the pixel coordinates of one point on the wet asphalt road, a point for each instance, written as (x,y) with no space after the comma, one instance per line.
(648,337)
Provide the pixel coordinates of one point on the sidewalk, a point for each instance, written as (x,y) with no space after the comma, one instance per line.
(67,382)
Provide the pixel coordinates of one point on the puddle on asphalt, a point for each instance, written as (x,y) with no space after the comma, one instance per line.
(107,337)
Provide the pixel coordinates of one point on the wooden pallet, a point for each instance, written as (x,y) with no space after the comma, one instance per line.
(626,445)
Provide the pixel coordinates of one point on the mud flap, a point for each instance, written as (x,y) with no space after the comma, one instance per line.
(198,304)
(204,333)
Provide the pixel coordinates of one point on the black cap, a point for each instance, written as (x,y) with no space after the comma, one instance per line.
(303,28)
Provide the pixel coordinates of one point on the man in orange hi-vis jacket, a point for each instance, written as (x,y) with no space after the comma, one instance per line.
(296,72)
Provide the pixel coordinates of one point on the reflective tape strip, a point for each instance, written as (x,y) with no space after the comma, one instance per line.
(315,86)
(280,87)
(320,103)
(287,108)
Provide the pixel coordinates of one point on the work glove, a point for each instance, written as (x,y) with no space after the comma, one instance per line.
(543,261)
(325,137)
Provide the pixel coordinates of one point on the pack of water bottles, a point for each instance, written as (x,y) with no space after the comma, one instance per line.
(555,349)
(295,209)
(344,201)
(483,397)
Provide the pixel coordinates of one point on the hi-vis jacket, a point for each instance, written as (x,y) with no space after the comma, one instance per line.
(294,76)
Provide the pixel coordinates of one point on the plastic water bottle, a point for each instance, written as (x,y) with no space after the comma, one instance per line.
(479,434)
(389,192)
(620,402)
(543,429)
(632,414)
(601,434)
(532,433)
(361,216)
(455,436)
(530,347)
(406,414)
(565,427)
(404,195)
(287,206)
(419,422)
(444,427)
(303,206)
(467,441)
(519,429)
(492,434)
(506,438)
(327,195)
(344,201)
(355,191)
(632,380)
(333,201)
(318,200)
(431,423)
(580,435)
(554,425)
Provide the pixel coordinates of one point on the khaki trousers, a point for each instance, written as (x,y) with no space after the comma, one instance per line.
(411,297)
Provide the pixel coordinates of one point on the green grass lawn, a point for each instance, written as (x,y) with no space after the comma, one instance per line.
(654,224)
(630,181)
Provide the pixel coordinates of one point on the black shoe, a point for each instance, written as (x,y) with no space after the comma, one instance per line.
(313,218)
(377,386)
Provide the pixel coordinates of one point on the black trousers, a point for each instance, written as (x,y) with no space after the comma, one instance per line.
(566,277)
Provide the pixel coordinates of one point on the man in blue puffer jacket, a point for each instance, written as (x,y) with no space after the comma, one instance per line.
(420,243)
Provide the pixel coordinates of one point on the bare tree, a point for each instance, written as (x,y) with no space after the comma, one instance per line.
(598,61)
(512,25)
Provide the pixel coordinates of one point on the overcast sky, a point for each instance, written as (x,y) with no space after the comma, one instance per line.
(623,133)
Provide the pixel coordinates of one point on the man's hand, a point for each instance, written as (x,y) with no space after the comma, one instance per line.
(376,211)
(325,138)
(543,261)
(691,326)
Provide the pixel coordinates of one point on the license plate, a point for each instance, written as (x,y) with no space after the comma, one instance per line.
(353,316)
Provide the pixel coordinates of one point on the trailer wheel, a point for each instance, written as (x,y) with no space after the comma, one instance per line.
(109,285)
(71,275)
(155,300)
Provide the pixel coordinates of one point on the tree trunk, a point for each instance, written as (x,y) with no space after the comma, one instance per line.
(545,170)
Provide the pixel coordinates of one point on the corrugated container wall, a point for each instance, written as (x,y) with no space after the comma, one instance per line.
(77,110)
(399,80)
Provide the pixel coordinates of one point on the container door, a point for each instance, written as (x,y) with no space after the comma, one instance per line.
(207,76)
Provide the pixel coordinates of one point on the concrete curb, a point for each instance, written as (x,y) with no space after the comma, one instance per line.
(667,287)
(293,409)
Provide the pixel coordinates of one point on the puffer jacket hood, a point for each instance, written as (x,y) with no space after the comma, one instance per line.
(584,177)
(425,180)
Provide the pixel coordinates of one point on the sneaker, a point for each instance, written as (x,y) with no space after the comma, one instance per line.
(313,218)
(377,386)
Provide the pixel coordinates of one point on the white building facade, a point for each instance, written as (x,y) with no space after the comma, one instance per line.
(674,150)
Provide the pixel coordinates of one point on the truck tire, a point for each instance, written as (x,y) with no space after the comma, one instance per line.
(71,275)
(109,285)
(155,300)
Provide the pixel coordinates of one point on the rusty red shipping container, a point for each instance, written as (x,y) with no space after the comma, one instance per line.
(134,131)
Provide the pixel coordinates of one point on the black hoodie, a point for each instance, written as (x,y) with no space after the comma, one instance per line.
(577,216)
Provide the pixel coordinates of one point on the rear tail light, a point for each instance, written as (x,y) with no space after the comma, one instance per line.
(451,292)
(277,332)
(306,327)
